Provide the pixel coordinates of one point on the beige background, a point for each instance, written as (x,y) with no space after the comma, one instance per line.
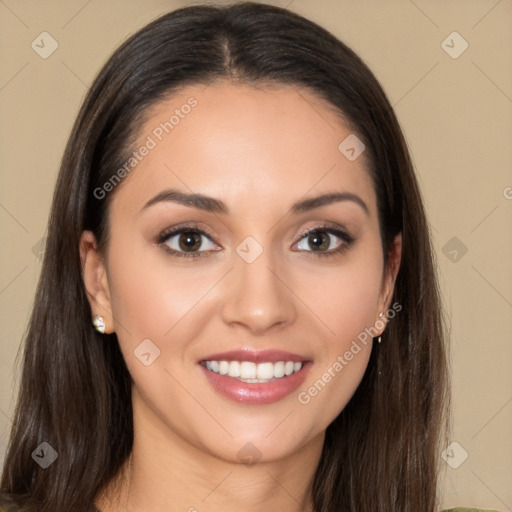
(457,116)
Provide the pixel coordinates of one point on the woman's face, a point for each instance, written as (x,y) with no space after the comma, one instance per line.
(210,269)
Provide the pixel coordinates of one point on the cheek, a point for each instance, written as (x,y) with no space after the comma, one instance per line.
(149,296)
(346,298)
(347,304)
(165,304)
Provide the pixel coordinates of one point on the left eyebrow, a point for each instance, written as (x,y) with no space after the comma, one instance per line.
(326,199)
(213,205)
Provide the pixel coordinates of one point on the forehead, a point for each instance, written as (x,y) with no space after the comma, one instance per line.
(242,143)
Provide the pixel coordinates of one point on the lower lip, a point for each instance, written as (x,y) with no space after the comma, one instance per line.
(256,393)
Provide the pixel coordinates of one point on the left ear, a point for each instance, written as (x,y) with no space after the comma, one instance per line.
(390,273)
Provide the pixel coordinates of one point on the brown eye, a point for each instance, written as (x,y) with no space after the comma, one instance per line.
(324,241)
(187,242)
(190,241)
(319,241)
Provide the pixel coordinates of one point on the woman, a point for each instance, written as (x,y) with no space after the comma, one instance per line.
(238,307)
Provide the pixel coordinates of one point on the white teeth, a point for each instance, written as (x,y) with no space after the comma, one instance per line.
(265,371)
(279,369)
(234,369)
(247,371)
(223,367)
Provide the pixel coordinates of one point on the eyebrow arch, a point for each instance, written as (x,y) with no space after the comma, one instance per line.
(212,205)
(199,201)
(326,199)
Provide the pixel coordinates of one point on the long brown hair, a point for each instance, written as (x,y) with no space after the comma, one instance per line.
(381,453)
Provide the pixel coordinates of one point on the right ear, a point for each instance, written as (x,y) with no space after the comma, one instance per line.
(94,275)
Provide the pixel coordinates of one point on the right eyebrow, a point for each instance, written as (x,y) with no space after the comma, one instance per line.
(200,201)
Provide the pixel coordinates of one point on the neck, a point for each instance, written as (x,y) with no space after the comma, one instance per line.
(165,473)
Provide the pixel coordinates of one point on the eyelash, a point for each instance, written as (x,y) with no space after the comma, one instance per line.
(169,233)
(347,239)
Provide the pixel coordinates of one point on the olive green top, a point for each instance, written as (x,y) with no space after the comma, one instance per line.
(465,509)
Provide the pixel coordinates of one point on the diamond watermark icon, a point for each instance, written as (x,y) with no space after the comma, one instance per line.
(351,147)
(454,249)
(249,454)
(44,45)
(454,45)
(454,455)
(249,250)
(146,352)
(45,455)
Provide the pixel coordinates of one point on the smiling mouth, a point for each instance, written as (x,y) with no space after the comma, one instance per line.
(252,373)
(255,377)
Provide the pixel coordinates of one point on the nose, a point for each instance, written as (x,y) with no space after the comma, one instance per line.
(257,298)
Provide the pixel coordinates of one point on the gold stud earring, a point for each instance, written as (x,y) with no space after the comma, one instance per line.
(99,324)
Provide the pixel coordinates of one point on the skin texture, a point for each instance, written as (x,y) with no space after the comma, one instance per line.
(259,151)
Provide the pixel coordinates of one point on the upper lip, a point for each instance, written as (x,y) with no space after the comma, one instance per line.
(256,356)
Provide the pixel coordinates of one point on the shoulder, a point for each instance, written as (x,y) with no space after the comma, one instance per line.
(466,509)
(9,505)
